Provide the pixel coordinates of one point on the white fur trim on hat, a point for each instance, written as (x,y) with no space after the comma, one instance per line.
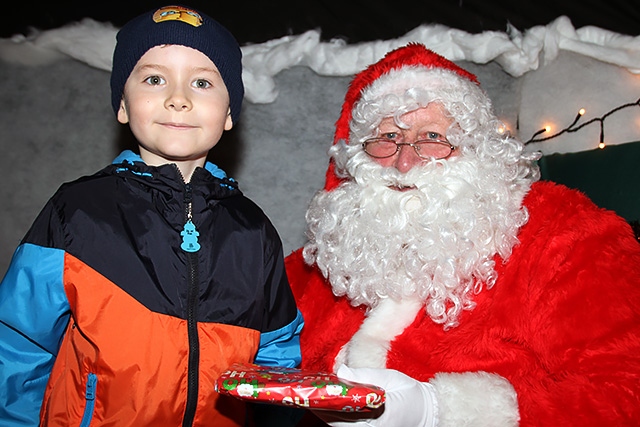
(398,81)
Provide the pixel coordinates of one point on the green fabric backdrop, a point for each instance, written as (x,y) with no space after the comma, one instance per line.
(609,176)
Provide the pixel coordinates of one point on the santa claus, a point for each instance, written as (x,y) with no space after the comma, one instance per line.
(439,268)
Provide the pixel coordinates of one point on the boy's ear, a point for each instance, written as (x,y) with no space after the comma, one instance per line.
(123,117)
(228,124)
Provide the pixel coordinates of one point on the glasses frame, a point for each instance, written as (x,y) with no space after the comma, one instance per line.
(414,145)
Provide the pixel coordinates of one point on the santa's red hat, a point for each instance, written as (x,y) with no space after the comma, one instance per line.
(397,71)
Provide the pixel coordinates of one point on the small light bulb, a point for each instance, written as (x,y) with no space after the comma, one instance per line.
(601,145)
(582,111)
(547,128)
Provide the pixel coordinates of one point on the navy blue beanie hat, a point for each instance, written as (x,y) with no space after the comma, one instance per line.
(178,25)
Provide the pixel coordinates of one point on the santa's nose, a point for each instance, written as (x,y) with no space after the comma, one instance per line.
(407,158)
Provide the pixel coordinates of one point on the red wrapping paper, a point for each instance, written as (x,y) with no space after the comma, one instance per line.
(296,387)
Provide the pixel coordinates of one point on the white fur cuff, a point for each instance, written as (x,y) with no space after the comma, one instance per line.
(476,399)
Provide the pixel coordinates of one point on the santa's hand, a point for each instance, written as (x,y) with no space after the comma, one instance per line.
(408,402)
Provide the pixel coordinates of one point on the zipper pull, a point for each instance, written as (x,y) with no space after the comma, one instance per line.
(189,234)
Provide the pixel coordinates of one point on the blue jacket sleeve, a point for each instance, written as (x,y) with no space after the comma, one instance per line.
(282,346)
(282,321)
(34,313)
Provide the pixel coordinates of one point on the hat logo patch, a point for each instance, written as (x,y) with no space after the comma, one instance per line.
(178,13)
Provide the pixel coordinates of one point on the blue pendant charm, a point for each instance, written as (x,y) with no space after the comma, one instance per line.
(190,238)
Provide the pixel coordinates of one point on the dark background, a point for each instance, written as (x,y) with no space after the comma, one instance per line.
(256,21)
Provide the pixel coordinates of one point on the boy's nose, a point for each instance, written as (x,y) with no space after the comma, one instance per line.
(178,101)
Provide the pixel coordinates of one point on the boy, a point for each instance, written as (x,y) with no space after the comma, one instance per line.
(137,286)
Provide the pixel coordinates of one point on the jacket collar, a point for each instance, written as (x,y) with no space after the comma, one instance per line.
(131,157)
(211,175)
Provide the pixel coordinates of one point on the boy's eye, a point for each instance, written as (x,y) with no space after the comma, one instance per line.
(201,84)
(154,80)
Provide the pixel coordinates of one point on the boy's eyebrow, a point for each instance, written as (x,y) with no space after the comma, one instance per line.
(149,66)
(153,66)
(207,69)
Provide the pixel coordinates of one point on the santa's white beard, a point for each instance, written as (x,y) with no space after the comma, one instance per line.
(434,243)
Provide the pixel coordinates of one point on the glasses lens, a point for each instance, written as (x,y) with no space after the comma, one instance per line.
(432,149)
(380,148)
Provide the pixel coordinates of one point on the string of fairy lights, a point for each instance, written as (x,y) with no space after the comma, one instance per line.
(574,127)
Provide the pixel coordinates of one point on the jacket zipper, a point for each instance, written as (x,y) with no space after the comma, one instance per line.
(191,246)
(90,399)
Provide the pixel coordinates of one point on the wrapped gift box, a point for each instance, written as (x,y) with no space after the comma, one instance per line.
(296,387)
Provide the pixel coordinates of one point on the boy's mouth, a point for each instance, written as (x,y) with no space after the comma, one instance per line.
(174,125)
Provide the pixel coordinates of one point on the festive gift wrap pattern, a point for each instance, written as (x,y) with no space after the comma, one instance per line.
(296,387)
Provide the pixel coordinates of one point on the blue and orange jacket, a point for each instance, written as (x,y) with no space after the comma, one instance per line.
(106,320)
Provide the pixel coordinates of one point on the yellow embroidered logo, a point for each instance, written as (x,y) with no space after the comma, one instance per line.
(178,13)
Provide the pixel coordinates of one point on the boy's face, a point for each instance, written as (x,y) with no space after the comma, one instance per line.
(176,104)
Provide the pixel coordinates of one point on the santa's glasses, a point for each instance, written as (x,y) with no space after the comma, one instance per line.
(381,148)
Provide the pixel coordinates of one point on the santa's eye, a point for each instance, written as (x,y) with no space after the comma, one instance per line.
(434,136)
(390,135)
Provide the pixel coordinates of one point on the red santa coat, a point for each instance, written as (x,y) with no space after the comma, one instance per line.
(561,324)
